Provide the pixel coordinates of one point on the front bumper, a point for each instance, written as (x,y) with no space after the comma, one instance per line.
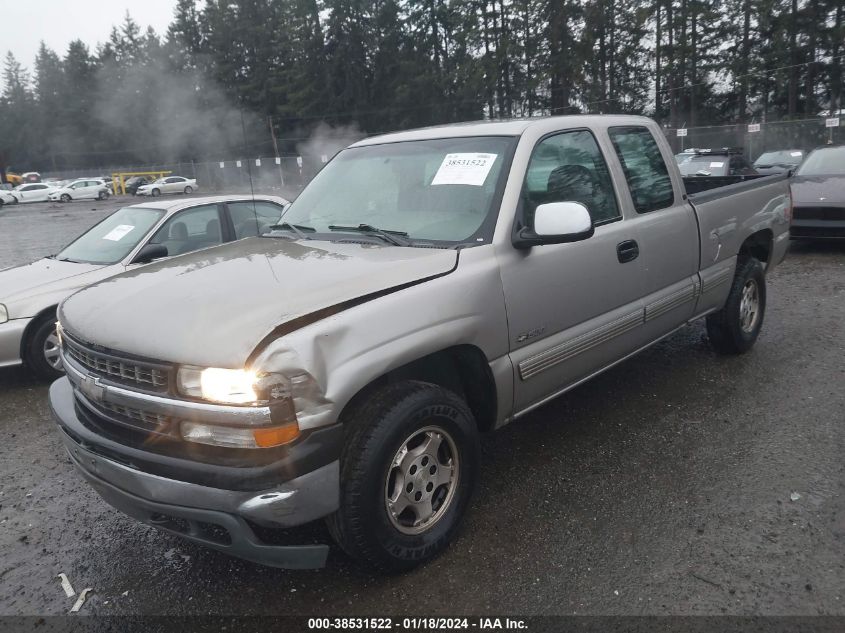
(215,517)
(11,335)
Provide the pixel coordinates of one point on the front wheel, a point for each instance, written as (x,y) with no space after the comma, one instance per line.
(42,350)
(65,197)
(734,329)
(155,193)
(189,190)
(408,469)
(103,195)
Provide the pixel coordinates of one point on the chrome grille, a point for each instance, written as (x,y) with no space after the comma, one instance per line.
(115,368)
(153,419)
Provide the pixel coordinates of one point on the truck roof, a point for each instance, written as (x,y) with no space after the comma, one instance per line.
(507,127)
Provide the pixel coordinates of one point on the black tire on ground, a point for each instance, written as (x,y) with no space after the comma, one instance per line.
(734,329)
(375,433)
(34,352)
(156,193)
(189,189)
(65,197)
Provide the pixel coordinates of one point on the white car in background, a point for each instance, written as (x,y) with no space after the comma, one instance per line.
(124,240)
(168,184)
(82,189)
(32,192)
(6,197)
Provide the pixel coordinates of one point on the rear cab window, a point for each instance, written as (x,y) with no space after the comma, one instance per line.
(644,168)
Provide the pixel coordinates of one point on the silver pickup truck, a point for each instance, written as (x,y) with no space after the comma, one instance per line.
(425,287)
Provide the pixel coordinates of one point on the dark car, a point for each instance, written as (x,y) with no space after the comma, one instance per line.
(818,194)
(726,161)
(779,161)
(133,183)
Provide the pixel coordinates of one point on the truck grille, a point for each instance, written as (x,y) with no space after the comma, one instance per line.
(117,369)
(830,214)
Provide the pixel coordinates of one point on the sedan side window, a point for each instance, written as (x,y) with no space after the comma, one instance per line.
(190,230)
(569,167)
(644,167)
(253,218)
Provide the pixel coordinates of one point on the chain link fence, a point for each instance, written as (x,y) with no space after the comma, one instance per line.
(756,139)
(263,174)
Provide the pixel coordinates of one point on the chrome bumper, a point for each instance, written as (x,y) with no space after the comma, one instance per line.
(11,335)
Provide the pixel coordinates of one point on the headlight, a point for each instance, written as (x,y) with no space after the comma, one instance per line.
(283,395)
(4,314)
(232,386)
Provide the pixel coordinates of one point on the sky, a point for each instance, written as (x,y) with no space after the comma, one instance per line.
(24,23)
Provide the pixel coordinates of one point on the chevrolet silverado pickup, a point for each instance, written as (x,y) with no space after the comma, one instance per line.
(425,287)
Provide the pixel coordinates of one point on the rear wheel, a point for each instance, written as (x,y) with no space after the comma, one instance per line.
(734,329)
(65,197)
(189,189)
(407,473)
(42,350)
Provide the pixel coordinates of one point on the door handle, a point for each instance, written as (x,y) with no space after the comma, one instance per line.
(627,251)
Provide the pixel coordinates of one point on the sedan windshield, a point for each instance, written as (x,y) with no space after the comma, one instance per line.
(784,157)
(438,190)
(826,161)
(112,239)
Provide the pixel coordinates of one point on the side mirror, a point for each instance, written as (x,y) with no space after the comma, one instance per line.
(149,252)
(556,223)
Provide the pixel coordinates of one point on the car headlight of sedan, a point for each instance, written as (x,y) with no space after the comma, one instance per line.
(4,314)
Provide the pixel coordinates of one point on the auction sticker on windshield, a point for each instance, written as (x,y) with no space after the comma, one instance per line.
(118,232)
(464,169)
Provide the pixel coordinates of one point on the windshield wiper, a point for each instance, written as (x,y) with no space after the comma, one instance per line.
(298,229)
(394,237)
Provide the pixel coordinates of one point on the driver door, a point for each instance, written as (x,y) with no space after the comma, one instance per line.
(570,305)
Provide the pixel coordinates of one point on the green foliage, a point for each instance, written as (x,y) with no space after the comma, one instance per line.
(224,69)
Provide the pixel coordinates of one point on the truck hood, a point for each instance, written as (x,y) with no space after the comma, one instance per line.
(26,290)
(807,190)
(213,307)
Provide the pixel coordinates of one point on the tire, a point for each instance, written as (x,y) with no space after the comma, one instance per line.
(65,197)
(189,190)
(155,193)
(397,416)
(37,354)
(103,195)
(734,329)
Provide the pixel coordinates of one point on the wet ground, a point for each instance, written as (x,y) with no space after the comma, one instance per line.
(679,482)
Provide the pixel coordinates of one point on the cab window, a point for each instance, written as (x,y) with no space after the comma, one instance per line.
(569,167)
(644,168)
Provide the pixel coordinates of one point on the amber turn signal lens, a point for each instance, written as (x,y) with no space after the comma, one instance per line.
(276,436)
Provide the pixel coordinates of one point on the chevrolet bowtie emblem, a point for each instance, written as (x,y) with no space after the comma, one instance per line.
(92,388)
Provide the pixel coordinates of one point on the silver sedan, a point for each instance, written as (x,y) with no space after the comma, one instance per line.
(130,237)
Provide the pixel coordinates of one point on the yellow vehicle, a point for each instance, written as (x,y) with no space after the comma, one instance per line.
(13,179)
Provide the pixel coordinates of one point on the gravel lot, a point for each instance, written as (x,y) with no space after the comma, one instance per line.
(661,487)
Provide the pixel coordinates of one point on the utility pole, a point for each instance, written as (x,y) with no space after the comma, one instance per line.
(276,149)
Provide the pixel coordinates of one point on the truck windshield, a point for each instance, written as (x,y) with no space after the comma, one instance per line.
(705,165)
(112,239)
(438,190)
(827,161)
